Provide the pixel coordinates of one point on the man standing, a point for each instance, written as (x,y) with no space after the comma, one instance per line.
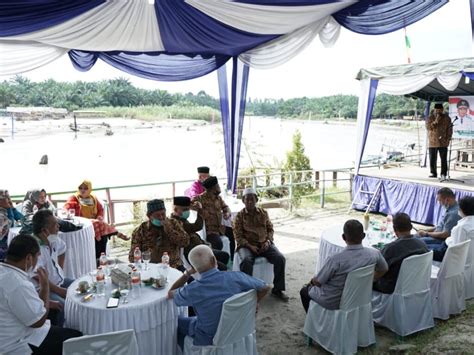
(440,131)
(434,237)
(23,310)
(394,253)
(207,295)
(253,232)
(327,286)
(159,234)
(197,188)
(213,209)
(181,212)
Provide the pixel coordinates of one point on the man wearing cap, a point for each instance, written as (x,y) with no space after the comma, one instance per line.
(181,212)
(197,188)
(440,131)
(213,210)
(464,121)
(253,232)
(159,234)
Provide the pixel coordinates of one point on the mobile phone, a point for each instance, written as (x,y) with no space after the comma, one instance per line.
(113,302)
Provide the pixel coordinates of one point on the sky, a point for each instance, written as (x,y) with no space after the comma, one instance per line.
(317,71)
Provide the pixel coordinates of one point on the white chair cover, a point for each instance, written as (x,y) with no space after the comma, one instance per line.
(262,269)
(469,271)
(408,309)
(225,244)
(235,334)
(342,331)
(116,343)
(447,282)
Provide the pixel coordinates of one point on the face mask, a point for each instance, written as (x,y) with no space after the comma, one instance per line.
(185,214)
(30,271)
(156,222)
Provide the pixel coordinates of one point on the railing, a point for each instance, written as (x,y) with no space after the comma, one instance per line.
(288,185)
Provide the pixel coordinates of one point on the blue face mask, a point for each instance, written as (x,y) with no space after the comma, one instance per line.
(156,222)
(185,214)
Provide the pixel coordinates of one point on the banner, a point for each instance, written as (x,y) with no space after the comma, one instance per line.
(462,116)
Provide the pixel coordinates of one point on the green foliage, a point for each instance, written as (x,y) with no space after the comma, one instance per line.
(296,159)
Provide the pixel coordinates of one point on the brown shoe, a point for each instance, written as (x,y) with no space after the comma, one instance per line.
(281,295)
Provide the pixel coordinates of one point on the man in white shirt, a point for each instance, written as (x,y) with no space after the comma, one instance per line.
(463,231)
(25,328)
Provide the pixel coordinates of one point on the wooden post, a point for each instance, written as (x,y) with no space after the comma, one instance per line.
(316,178)
(323,190)
(334,179)
(111,207)
(174,189)
(290,190)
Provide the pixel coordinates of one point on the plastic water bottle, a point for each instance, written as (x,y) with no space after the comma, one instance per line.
(136,283)
(165,261)
(100,278)
(389,226)
(137,257)
(103,264)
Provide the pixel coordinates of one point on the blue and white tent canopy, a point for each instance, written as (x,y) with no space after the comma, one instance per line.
(174,40)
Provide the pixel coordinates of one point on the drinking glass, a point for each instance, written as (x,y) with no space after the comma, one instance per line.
(71,214)
(146,256)
(93,275)
(124,288)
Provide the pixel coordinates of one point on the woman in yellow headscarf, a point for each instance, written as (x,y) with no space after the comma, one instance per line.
(86,205)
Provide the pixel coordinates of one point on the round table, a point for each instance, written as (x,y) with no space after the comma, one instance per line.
(153,317)
(331,243)
(80,248)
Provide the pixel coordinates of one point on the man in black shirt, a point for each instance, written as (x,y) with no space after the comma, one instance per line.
(406,245)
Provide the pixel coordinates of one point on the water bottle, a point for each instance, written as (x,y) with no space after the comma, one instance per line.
(136,282)
(137,257)
(103,263)
(389,225)
(100,278)
(165,263)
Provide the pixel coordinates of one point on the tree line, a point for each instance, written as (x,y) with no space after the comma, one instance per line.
(120,92)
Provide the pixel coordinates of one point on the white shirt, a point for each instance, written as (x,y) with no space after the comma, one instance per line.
(48,259)
(463,231)
(20,307)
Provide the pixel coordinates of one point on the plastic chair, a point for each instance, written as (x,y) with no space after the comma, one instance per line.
(122,342)
(235,333)
(262,269)
(447,282)
(408,309)
(469,270)
(341,331)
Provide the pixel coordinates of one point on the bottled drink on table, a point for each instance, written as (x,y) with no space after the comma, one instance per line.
(137,257)
(100,278)
(103,263)
(165,261)
(366,221)
(136,282)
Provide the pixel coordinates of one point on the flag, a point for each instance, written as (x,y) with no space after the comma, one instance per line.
(407,46)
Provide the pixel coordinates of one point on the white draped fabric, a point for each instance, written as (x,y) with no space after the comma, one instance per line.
(20,57)
(266,19)
(153,317)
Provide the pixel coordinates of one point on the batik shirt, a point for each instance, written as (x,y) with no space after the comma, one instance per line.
(252,228)
(212,209)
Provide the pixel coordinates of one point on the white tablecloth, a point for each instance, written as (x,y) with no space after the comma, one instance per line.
(80,252)
(153,317)
(331,243)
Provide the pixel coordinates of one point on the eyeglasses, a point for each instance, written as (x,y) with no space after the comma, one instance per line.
(83,188)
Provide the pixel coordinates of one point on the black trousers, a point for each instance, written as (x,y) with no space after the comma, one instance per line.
(273,255)
(53,343)
(443,154)
(216,241)
(304,295)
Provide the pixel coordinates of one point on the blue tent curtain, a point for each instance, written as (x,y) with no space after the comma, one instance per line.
(425,116)
(151,65)
(468,75)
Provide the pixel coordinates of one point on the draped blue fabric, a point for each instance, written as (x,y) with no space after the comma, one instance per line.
(384,16)
(225,116)
(417,200)
(287,2)
(370,107)
(469,75)
(152,65)
(23,16)
(185,29)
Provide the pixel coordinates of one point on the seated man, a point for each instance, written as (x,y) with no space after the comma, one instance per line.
(462,231)
(327,286)
(434,237)
(159,234)
(254,235)
(207,295)
(24,313)
(182,205)
(394,253)
(7,204)
(213,209)
(4,230)
(197,188)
